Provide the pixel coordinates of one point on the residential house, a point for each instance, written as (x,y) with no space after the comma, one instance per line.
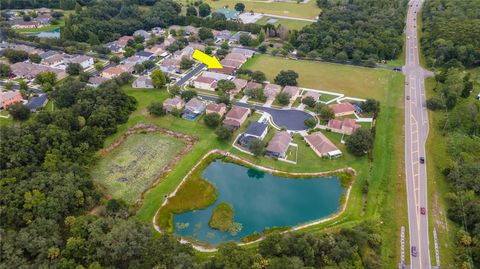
(143,34)
(83,60)
(145,55)
(170,65)
(8,98)
(171,104)
(197,46)
(278,145)
(190,30)
(239,84)
(230,14)
(158,31)
(43,19)
(29,70)
(314,95)
(114,47)
(239,57)
(255,131)
(96,81)
(236,117)
(193,108)
(247,52)
(26,25)
(47,54)
(56,59)
(345,126)
(44,10)
(28,49)
(253,85)
(112,72)
(158,51)
(143,82)
(222,36)
(37,102)
(322,146)
(231,63)
(236,37)
(205,83)
(292,91)
(220,109)
(186,52)
(123,41)
(216,76)
(127,67)
(134,60)
(168,41)
(272,90)
(225,70)
(342,109)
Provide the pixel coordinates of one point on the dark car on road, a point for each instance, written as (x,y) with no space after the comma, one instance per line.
(408,97)
(423,210)
(414,251)
(422,160)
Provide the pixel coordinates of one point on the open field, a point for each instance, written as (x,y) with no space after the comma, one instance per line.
(309,10)
(130,169)
(352,81)
(385,201)
(290,24)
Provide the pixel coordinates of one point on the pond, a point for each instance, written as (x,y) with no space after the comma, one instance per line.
(259,200)
(49,34)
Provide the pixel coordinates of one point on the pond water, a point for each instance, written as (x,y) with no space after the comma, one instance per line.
(260,200)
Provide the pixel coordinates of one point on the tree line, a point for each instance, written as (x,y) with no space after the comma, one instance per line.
(362,31)
(451,33)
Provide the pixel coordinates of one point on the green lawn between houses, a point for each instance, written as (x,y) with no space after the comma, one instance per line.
(385,201)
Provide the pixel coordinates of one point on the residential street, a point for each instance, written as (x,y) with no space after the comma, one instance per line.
(416,131)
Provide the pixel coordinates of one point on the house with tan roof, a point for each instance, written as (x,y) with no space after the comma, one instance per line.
(225,70)
(278,145)
(239,57)
(239,84)
(253,85)
(83,60)
(55,59)
(236,117)
(171,104)
(158,51)
(231,63)
(29,70)
(220,109)
(26,24)
(112,72)
(345,126)
(342,109)
(193,108)
(205,83)
(322,146)
(8,98)
(122,41)
(143,82)
(292,91)
(170,65)
(314,95)
(272,90)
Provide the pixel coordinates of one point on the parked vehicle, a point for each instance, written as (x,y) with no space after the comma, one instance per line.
(408,97)
(422,160)
(414,251)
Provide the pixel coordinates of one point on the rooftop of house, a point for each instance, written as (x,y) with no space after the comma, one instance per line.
(97,80)
(291,90)
(114,70)
(239,83)
(314,95)
(321,143)
(237,112)
(173,101)
(5,95)
(279,142)
(253,85)
(146,54)
(195,105)
(256,129)
(80,59)
(342,108)
(216,107)
(236,57)
(202,79)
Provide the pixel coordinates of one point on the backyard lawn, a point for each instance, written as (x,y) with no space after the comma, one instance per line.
(290,24)
(131,168)
(309,10)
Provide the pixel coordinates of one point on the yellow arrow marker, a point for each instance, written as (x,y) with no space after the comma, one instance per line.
(210,61)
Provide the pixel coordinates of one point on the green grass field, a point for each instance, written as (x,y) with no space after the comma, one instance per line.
(131,168)
(385,201)
(290,24)
(309,10)
(352,81)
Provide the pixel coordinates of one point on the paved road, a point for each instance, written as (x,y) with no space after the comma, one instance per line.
(416,131)
(190,74)
(291,119)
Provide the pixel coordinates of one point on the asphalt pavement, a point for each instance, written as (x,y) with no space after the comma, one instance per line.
(416,132)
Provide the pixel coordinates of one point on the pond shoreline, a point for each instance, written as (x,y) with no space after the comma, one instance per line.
(240,161)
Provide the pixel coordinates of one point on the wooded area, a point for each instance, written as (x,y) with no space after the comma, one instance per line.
(451,33)
(360,31)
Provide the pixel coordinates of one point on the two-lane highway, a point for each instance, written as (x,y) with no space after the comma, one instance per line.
(416,132)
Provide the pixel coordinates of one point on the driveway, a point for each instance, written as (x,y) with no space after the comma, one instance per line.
(190,74)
